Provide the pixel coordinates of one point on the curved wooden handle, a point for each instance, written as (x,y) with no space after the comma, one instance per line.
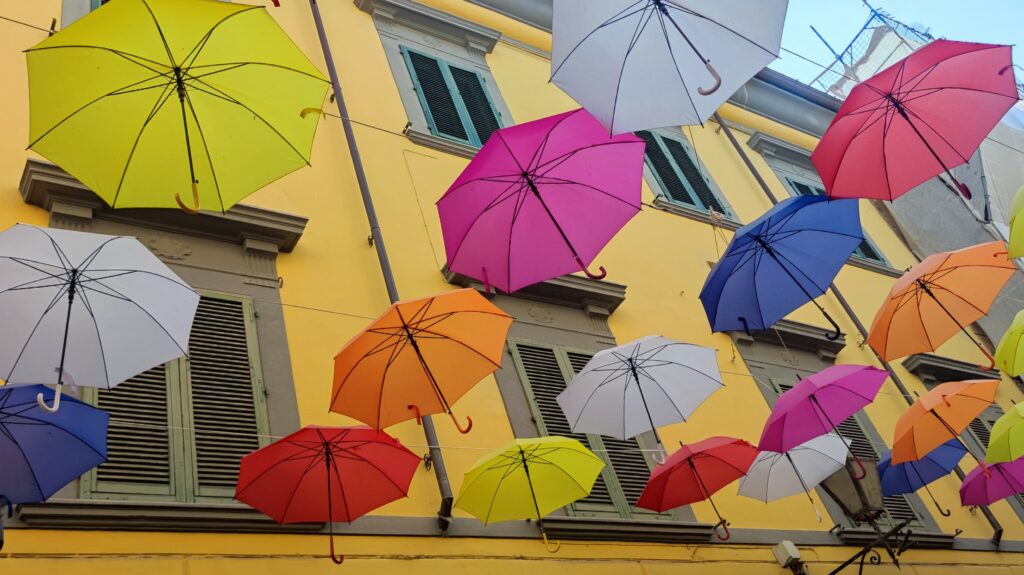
(194,208)
(714,87)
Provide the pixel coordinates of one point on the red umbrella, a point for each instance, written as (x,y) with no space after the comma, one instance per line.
(696,471)
(326,474)
(915,120)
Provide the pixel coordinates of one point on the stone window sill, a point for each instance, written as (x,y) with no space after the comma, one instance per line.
(591,529)
(872,265)
(660,203)
(441,143)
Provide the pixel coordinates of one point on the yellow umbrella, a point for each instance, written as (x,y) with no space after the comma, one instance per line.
(1016,243)
(529,479)
(1009,354)
(144,100)
(1006,442)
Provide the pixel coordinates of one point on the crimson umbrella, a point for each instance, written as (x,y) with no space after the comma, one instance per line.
(326,474)
(540,200)
(916,119)
(696,471)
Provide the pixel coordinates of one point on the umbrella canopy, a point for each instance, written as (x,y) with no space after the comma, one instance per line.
(1010,353)
(326,474)
(146,100)
(641,64)
(1016,243)
(776,475)
(640,386)
(819,403)
(916,119)
(541,199)
(938,297)
(939,416)
(987,484)
(780,261)
(908,477)
(695,472)
(419,357)
(85,308)
(1006,442)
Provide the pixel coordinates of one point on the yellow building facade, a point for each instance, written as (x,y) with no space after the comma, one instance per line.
(289,277)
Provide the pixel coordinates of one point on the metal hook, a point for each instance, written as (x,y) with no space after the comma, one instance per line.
(725,528)
(462,430)
(718,81)
(547,544)
(590,274)
(194,209)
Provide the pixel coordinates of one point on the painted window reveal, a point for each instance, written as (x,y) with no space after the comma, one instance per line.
(455,100)
(681,180)
(867,249)
(178,431)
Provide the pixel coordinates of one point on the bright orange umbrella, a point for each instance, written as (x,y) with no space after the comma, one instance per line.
(940,415)
(419,357)
(937,298)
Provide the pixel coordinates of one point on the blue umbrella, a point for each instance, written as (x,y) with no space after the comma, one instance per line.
(908,477)
(40,452)
(780,261)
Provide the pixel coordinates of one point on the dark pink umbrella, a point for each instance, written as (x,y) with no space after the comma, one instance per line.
(986,484)
(818,404)
(540,200)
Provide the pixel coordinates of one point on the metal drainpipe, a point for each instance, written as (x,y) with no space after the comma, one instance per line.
(436,459)
(996,526)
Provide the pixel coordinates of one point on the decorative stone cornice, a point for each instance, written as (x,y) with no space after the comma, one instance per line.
(934,369)
(796,335)
(414,15)
(771,146)
(598,299)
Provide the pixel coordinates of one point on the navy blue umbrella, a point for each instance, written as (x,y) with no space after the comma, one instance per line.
(40,452)
(908,477)
(780,261)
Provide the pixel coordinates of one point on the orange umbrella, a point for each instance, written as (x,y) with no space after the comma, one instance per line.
(937,298)
(940,415)
(419,357)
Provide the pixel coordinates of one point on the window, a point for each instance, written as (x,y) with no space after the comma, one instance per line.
(681,180)
(867,249)
(178,431)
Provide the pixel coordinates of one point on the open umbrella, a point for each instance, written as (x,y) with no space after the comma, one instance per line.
(986,484)
(87,309)
(916,119)
(938,297)
(695,472)
(42,451)
(1006,442)
(819,403)
(528,480)
(798,470)
(142,100)
(781,261)
(419,357)
(939,416)
(908,477)
(540,200)
(326,474)
(641,64)
(1010,352)
(1015,246)
(640,386)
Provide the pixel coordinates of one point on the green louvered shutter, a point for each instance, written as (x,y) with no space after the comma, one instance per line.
(436,96)
(698,184)
(671,185)
(473,92)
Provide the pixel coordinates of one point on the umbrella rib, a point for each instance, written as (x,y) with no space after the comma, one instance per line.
(32,334)
(157,106)
(693,12)
(55,423)
(167,48)
(675,64)
(99,338)
(505,474)
(351,451)
(465,345)
(957,296)
(206,148)
(539,152)
(288,459)
(560,181)
(133,58)
(939,135)
(291,499)
(234,65)
(28,464)
(341,484)
(758,258)
(520,203)
(193,54)
(918,297)
(641,25)
(621,15)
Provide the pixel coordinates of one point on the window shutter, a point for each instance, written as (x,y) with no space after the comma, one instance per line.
(805,190)
(692,174)
(980,432)
(436,97)
(672,186)
(478,105)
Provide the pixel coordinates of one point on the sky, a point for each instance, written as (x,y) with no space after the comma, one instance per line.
(992,21)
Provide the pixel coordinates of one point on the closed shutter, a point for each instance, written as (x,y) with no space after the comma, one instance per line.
(436,96)
(671,184)
(473,92)
(688,167)
(805,190)
(981,433)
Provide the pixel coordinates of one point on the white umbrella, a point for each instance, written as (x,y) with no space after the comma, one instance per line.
(776,475)
(87,309)
(640,386)
(642,64)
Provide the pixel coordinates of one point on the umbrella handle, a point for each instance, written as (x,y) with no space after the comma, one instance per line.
(860,466)
(194,208)
(487,281)
(547,544)
(725,529)
(56,400)
(838,333)
(415,409)
(590,274)
(718,81)
(307,111)
(991,360)
(746,326)
(462,430)
(658,457)
(338,559)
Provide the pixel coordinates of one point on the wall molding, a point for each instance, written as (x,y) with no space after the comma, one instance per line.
(595,297)
(417,16)
(933,369)
(798,336)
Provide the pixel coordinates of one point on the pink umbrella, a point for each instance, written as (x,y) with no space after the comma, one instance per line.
(987,484)
(818,404)
(540,200)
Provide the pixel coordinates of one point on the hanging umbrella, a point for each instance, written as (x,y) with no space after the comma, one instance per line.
(540,200)
(41,451)
(419,357)
(1016,244)
(987,484)
(326,474)
(1006,442)
(143,100)
(1010,353)
(938,297)
(819,403)
(939,416)
(908,477)
(918,118)
(641,64)
(87,309)
(781,261)
(528,480)
(798,470)
(640,386)
(695,472)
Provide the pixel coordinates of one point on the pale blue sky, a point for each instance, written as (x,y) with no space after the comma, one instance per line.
(993,21)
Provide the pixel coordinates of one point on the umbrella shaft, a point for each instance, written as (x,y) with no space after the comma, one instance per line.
(771,252)
(640,390)
(67,325)
(529,482)
(928,290)
(565,238)
(664,10)
(903,112)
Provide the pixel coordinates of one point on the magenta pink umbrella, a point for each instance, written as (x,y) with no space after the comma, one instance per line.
(818,404)
(987,484)
(540,200)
